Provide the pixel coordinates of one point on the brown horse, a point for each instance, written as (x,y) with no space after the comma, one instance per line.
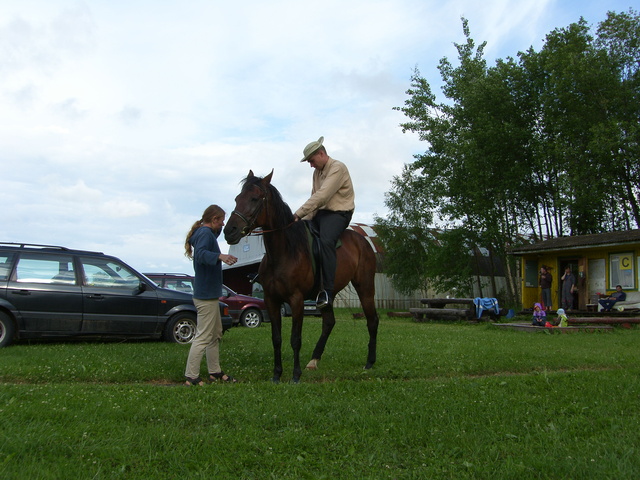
(286,271)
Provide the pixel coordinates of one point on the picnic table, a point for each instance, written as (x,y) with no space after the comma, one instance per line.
(472,308)
(435,309)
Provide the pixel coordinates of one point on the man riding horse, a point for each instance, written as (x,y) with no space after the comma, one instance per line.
(330,208)
(286,270)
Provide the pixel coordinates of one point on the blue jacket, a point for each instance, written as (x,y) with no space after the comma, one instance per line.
(206,264)
(620,296)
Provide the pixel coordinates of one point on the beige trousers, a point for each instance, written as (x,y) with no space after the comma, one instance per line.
(207,339)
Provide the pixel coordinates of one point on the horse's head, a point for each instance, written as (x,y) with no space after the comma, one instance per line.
(249,211)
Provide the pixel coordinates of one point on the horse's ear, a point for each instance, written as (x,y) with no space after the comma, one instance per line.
(267,179)
(250,174)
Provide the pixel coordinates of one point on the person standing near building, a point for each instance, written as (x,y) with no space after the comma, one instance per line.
(330,207)
(545,284)
(202,247)
(568,287)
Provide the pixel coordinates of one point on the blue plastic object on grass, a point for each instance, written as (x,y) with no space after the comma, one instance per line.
(486,304)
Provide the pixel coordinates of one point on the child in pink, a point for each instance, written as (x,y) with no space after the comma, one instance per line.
(539,316)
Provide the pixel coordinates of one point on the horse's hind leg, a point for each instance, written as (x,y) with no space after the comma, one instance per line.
(328,322)
(366,295)
(296,345)
(276,340)
(370,312)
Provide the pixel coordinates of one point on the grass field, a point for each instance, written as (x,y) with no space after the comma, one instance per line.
(444,401)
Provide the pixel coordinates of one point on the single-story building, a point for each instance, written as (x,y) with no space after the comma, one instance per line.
(599,262)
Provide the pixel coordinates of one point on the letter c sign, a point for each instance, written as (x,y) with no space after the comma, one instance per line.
(625,262)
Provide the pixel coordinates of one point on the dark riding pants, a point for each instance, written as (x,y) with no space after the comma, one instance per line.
(330,225)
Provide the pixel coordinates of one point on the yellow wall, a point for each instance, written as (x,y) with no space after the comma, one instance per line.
(531,294)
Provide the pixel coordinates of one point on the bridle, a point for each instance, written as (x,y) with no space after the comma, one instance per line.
(249,223)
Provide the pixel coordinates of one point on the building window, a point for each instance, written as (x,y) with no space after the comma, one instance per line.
(622,271)
(531,273)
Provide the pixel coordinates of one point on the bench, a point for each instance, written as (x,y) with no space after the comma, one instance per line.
(624,321)
(527,327)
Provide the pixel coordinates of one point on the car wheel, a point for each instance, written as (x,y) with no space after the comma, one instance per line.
(251,318)
(285,310)
(7,330)
(181,328)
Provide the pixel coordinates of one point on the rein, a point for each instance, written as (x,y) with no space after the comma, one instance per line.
(254,233)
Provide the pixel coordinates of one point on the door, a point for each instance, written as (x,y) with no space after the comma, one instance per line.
(44,291)
(581,282)
(114,302)
(596,279)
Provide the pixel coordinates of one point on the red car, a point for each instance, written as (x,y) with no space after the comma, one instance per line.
(251,311)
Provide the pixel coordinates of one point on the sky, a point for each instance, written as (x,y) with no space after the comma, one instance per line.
(121,121)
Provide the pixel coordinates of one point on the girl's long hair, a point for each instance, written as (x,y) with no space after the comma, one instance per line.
(211,212)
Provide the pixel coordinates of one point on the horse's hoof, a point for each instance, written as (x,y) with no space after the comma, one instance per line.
(275,380)
(368,366)
(313,364)
(295,381)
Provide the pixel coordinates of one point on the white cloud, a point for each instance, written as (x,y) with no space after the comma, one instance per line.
(77,193)
(124,208)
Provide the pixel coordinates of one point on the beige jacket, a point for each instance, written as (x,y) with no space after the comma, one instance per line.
(332,190)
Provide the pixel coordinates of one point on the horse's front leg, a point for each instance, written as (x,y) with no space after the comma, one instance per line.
(328,322)
(276,340)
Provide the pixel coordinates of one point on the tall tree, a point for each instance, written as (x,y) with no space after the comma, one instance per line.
(619,137)
(545,145)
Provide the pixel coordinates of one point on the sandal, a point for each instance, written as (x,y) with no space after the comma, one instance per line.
(223,377)
(190,382)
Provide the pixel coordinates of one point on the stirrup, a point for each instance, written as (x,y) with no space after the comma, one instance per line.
(322,300)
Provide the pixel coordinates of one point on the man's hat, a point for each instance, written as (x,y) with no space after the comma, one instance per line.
(311,149)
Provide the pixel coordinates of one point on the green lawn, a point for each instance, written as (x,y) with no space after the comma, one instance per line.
(443,401)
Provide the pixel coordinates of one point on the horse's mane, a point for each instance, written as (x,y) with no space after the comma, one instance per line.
(294,232)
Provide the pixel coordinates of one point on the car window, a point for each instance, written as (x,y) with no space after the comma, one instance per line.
(45,268)
(5,265)
(257,290)
(104,272)
(179,284)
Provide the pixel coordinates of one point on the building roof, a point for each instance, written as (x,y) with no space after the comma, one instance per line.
(608,239)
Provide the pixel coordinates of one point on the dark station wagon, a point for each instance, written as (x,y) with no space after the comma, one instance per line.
(52,291)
